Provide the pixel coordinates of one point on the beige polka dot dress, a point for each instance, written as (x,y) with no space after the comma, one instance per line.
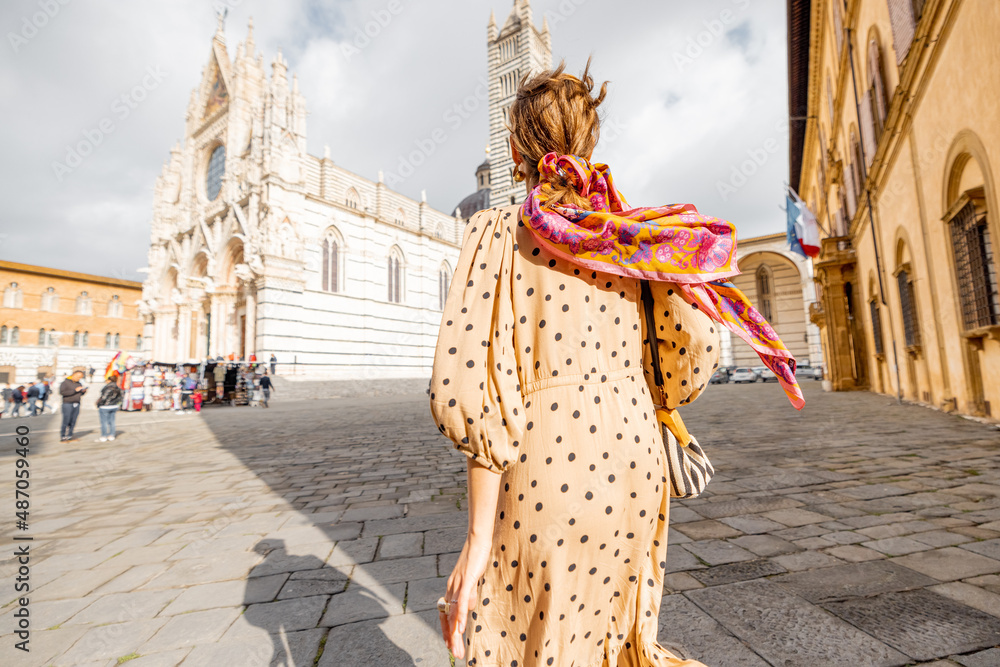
(539,375)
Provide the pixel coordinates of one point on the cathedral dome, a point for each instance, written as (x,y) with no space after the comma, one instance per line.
(474,203)
(479,199)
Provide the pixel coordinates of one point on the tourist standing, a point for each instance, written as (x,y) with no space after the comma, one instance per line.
(72,392)
(43,394)
(219,372)
(274,364)
(265,388)
(18,397)
(32,395)
(108,404)
(90,374)
(188,384)
(8,399)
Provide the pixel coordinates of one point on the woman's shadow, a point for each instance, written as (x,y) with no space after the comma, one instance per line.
(310,578)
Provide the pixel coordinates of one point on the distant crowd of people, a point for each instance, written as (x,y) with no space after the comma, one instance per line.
(183,390)
(33,398)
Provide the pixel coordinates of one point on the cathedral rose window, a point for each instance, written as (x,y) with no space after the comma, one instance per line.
(216,169)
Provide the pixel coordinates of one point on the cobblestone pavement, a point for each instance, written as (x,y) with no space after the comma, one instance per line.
(856,532)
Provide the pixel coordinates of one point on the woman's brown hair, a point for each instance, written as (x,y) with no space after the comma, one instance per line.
(556,112)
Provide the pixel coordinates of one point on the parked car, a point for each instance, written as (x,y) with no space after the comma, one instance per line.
(765,374)
(741,375)
(808,372)
(720,376)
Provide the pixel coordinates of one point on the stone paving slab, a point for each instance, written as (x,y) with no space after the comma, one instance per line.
(786,630)
(950,563)
(920,623)
(856,580)
(699,636)
(742,571)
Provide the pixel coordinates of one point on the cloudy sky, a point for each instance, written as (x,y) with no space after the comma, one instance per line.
(695,113)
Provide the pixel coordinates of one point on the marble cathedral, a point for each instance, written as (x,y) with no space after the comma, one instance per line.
(258,247)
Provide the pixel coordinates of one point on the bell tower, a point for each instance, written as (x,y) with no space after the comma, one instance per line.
(514,51)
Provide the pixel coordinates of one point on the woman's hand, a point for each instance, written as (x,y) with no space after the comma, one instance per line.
(463,585)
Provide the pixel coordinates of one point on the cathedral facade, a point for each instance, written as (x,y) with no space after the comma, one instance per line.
(259,248)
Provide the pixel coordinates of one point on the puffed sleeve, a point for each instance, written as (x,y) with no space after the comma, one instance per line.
(688,343)
(475,391)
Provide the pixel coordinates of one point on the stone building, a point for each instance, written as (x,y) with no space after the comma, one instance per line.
(894,142)
(258,247)
(780,285)
(52,321)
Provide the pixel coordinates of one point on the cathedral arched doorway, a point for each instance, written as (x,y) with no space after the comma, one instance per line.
(236,309)
(200,313)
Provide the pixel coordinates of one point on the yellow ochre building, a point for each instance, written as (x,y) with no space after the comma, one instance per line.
(895,142)
(52,321)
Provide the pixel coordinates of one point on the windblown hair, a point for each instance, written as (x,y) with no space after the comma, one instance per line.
(557,112)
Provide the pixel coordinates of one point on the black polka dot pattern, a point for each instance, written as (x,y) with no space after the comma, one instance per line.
(557,401)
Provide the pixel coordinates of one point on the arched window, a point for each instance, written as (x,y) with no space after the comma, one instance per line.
(351,199)
(85,339)
(76,339)
(15,336)
(876,316)
(50,300)
(116,341)
(439,230)
(4,335)
(829,98)
(854,174)
(107,341)
(41,336)
(907,304)
(138,342)
(395,277)
(115,306)
(330,268)
(444,283)
(83,304)
(13,296)
(53,338)
(838,26)
(765,293)
(975,265)
(876,88)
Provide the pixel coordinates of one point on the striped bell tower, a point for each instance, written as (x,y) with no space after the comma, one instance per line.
(516,49)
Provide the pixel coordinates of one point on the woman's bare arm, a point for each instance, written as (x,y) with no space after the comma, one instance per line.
(484,490)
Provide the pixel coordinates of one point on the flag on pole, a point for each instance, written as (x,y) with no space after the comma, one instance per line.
(803,230)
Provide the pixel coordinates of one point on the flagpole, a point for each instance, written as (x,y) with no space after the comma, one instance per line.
(871,216)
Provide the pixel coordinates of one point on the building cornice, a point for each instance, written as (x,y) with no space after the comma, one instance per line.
(72,275)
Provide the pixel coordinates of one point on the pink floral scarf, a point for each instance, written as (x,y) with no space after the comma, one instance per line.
(669,243)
